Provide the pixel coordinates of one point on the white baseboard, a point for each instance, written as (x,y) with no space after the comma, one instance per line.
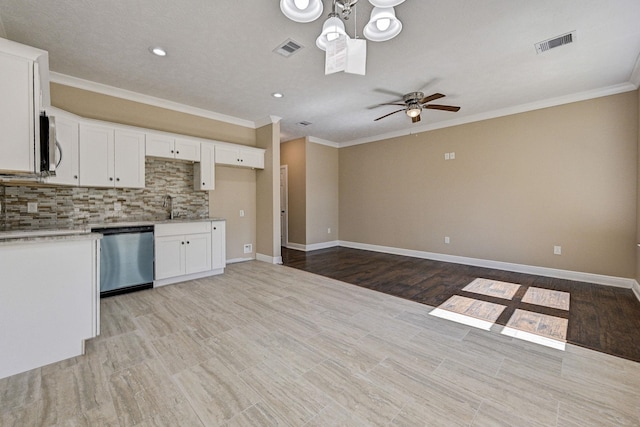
(269,259)
(620,282)
(237,260)
(636,289)
(185,278)
(313,246)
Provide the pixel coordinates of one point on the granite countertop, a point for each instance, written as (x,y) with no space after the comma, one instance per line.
(83,231)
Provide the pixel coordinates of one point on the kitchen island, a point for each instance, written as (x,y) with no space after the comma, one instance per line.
(49,296)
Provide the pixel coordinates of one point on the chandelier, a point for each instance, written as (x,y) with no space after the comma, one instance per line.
(382,26)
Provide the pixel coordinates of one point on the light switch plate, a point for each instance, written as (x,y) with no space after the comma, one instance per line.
(32,207)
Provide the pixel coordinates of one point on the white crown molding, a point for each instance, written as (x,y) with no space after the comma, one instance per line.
(619,282)
(323,142)
(78,83)
(552,102)
(635,74)
(269,120)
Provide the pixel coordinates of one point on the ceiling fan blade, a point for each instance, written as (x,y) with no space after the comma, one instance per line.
(387,115)
(415,119)
(389,92)
(386,103)
(431,98)
(441,107)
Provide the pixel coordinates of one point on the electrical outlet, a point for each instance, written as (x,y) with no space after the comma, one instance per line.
(242,214)
(446,156)
(32,207)
(328,230)
(117,206)
(447,240)
(557,250)
(248,248)
(452,156)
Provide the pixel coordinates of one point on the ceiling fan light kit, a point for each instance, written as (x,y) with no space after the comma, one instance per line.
(301,10)
(415,102)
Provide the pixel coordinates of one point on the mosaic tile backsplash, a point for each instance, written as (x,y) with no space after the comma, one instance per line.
(68,207)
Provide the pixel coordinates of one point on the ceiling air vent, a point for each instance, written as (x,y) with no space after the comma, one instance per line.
(288,48)
(556,42)
(303,123)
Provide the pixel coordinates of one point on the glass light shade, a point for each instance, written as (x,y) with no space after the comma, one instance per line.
(293,10)
(385,3)
(331,30)
(383,25)
(414,110)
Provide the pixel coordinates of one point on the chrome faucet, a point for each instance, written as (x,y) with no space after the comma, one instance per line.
(164,204)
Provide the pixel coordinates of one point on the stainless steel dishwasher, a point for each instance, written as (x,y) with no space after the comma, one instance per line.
(126,259)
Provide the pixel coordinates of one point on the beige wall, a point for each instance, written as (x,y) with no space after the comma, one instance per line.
(235,188)
(519,185)
(268,195)
(321,194)
(293,154)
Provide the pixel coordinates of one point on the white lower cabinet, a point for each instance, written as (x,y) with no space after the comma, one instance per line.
(188,250)
(46,313)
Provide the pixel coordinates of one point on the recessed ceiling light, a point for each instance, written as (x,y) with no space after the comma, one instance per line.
(158,51)
(277,95)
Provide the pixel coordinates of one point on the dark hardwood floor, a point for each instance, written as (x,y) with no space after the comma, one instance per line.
(601,318)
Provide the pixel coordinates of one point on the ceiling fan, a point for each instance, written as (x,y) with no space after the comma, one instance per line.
(414,102)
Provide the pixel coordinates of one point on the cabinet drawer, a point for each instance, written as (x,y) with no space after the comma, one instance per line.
(182,228)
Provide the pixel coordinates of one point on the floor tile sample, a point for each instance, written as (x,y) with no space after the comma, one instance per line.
(540,328)
(469,311)
(493,288)
(547,298)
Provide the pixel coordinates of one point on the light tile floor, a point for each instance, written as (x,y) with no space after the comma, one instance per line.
(493,288)
(267,345)
(547,298)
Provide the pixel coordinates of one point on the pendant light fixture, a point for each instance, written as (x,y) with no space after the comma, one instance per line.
(383,25)
(301,10)
(385,3)
(332,28)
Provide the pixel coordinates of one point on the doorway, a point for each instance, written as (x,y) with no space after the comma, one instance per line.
(284,205)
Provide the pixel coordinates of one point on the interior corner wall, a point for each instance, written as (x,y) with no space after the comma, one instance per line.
(268,195)
(518,186)
(321,193)
(293,154)
(638,198)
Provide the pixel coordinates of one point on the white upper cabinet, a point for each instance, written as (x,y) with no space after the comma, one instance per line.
(67,171)
(170,147)
(24,92)
(204,171)
(111,157)
(242,156)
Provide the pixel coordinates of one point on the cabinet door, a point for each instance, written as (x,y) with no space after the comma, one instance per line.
(159,145)
(16,114)
(169,256)
(218,245)
(67,172)
(204,171)
(129,159)
(96,156)
(227,155)
(187,150)
(252,159)
(198,252)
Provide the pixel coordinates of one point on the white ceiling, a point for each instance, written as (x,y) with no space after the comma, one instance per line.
(479,53)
